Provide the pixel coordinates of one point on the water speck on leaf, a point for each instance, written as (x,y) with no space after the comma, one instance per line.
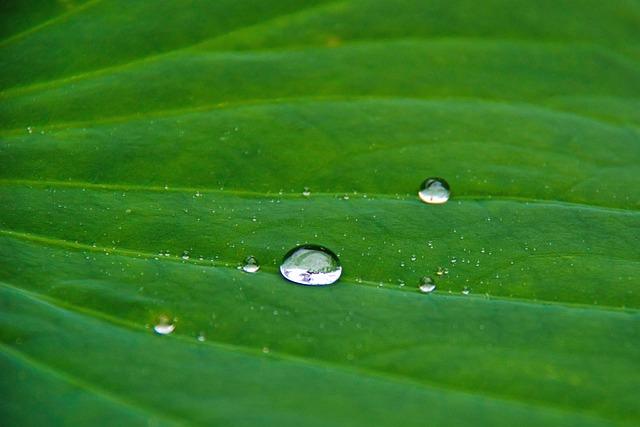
(465,291)
(164,325)
(311,265)
(441,271)
(434,191)
(306,192)
(250,265)
(426,285)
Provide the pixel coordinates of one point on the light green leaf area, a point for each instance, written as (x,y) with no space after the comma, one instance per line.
(148,147)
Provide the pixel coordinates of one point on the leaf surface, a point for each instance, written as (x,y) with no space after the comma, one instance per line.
(147,148)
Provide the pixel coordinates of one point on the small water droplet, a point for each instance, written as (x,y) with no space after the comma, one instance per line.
(465,291)
(306,192)
(434,191)
(164,325)
(311,265)
(201,337)
(250,265)
(442,271)
(426,285)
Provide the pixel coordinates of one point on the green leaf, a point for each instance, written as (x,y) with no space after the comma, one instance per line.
(148,147)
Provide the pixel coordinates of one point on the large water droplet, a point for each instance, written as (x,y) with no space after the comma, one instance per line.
(311,265)
(250,265)
(434,191)
(164,325)
(427,285)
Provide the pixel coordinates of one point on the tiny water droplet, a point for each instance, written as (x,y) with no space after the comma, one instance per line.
(426,285)
(164,325)
(442,271)
(465,291)
(306,192)
(250,265)
(311,265)
(434,191)
(201,337)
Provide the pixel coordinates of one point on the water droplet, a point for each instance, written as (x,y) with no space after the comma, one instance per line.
(434,191)
(465,291)
(250,265)
(164,325)
(311,265)
(427,285)
(306,192)
(442,271)
(201,337)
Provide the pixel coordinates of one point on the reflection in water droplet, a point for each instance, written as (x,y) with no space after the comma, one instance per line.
(434,191)
(250,265)
(427,285)
(311,265)
(164,325)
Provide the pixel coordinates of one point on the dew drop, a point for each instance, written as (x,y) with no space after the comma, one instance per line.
(311,265)
(426,285)
(442,271)
(164,325)
(465,291)
(250,265)
(434,191)
(306,192)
